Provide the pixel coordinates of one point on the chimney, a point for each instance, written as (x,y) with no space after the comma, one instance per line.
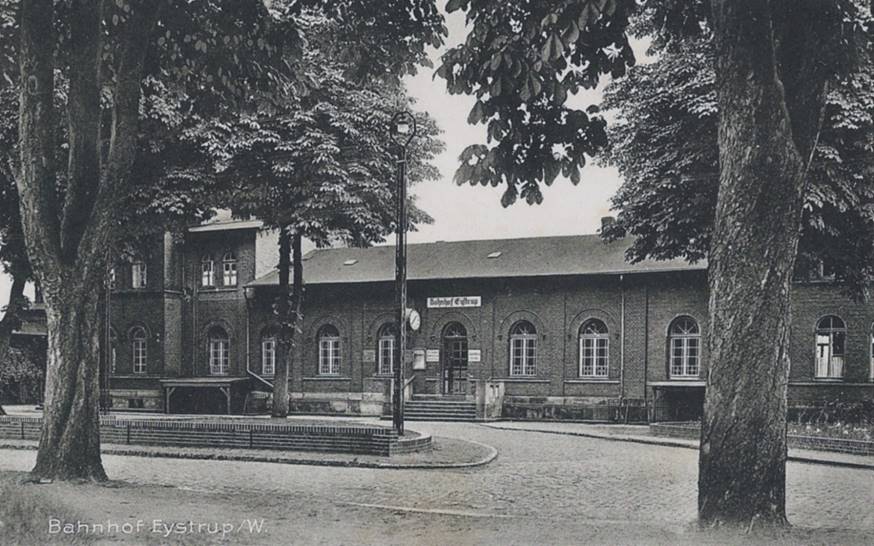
(606,222)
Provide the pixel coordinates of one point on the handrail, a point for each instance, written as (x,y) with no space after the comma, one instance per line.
(408,389)
(259,378)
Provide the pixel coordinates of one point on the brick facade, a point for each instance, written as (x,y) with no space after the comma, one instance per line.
(638,309)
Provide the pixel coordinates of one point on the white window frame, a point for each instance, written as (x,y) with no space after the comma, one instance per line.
(229,270)
(139,274)
(684,348)
(329,353)
(594,351)
(139,351)
(268,356)
(828,364)
(385,354)
(523,353)
(207,272)
(219,356)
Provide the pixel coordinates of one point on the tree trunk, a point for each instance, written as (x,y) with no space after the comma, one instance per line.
(69,447)
(67,245)
(289,310)
(742,473)
(10,319)
(283,342)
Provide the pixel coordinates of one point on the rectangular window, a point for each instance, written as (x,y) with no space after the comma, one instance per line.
(207,274)
(218,357)
(830,355)
(230,273)
(139,350)
(112,278)
(593,357)
(268,356)
(523,353)
(138,275)
(386,355)
(684,357)
(329,356)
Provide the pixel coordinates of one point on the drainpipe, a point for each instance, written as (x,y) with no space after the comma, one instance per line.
(622,341)
(645,346)
(194,347)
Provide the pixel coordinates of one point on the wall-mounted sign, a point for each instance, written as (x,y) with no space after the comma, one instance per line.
(432,355)
(368,356)
(418,359)
(454,301)
(474,355)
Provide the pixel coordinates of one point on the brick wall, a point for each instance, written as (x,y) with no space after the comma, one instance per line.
(365,440)
(557,307)
(221,306)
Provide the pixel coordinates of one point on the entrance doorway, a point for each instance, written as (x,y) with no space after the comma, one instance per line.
(454,359)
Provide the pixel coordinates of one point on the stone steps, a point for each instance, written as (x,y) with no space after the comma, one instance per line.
(439,410)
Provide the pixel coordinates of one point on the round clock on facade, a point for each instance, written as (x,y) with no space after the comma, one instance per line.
(414,319)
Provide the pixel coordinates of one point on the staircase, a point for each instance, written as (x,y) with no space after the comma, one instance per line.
(433,408)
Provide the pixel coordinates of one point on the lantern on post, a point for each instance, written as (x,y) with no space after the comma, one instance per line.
(402,132)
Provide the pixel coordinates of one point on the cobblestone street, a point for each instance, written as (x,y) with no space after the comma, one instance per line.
(552,482)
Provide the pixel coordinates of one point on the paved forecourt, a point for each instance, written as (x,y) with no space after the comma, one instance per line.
(560,481)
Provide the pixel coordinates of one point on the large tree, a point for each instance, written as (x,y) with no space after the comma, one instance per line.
(318,165)
(103,52)
(773,63)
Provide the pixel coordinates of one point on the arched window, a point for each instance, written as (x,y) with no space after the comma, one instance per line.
(594,349)
(831,337)
(138,349)
(207,271)
(523,348)
(329,350)
(219,352)
(138,273)
(113,350)
(684,342)
(268,353)
(385,349)
(229,269)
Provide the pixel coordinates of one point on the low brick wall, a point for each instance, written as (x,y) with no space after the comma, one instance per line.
(692,431)
(364,440)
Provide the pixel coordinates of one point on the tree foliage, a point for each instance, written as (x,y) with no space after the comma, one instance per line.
(522,60)
(99,57)
(664,144)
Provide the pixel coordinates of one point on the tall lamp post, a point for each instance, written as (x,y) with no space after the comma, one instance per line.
(403,130)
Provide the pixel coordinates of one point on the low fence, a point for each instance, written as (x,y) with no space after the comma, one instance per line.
(692,431)
(602,413)
(363,440)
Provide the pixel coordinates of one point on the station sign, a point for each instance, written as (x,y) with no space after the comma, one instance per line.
(454,301)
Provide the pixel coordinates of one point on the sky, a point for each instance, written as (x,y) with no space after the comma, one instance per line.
(475,212)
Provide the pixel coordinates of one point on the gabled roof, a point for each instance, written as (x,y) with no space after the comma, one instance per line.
(496,258)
